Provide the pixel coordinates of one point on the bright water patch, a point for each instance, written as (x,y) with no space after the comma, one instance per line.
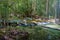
(56,26)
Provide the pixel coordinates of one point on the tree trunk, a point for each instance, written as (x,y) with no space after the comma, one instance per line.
(34,7)
(47,7)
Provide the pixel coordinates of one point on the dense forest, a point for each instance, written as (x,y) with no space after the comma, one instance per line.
(26,8)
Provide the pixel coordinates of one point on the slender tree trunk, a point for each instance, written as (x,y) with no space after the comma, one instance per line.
(34,7)
(47,7)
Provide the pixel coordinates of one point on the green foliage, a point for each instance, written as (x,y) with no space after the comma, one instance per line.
(41,7)
(36,33)
(4,10)
(24,7)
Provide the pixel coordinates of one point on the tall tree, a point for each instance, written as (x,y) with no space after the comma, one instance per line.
(34,6)
(47,7)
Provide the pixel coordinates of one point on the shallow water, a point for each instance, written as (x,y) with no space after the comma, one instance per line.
(56,26)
